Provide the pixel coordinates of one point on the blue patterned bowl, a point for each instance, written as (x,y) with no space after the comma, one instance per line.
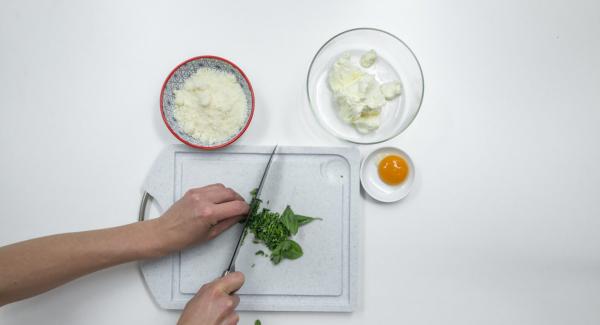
(175,81)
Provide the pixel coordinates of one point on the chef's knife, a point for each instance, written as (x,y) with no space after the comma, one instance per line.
(231,267)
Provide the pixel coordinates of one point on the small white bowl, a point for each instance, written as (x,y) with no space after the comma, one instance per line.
(374,186)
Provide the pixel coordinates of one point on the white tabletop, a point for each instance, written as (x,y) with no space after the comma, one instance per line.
(503,224)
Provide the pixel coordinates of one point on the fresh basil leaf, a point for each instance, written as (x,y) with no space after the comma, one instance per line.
(277,253)
(290,249)
(289,220)
(257,322)
(276,258)
(260,253)
(303,220)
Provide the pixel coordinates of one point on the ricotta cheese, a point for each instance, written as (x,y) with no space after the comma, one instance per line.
(211,106)
(391,90)
(358,95)
(368,59)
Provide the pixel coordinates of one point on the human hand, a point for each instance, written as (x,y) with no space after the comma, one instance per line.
(214,304)
(200,215)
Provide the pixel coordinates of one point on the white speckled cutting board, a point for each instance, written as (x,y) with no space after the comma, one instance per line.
(316,181)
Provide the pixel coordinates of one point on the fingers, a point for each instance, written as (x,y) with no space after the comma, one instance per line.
(221,195)
(223,225)
(216,185)
(236,300)
(231,319)
(207,189)
(228,209)
(212,304)
(218,193)
(231,282)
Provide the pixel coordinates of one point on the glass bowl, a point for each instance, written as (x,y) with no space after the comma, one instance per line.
(395,61)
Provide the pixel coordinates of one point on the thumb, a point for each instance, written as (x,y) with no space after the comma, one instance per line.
(231,282)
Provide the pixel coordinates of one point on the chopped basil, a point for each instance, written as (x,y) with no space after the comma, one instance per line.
(274,230)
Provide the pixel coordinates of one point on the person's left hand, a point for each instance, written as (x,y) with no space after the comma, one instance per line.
(200,215)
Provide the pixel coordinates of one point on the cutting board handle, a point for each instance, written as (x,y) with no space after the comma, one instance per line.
(145,198)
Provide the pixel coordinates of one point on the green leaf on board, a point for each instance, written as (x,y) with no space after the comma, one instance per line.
(275,230)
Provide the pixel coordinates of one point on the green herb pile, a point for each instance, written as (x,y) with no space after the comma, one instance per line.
(274,230)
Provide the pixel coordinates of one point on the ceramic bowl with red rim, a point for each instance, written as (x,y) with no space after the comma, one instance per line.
(175,81)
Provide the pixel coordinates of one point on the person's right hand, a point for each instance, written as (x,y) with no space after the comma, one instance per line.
(200,215)
(214,304)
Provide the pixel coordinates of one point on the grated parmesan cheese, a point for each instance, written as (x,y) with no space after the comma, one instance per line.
(211,106)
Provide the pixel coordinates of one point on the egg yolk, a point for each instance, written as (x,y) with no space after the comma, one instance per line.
(393,169)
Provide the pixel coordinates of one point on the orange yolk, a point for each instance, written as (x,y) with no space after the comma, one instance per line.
(393,169)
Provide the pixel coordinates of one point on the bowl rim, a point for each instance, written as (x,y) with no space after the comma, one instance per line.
(313,109)
(162,111)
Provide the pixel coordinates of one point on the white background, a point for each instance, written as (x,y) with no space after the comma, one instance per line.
(503,225)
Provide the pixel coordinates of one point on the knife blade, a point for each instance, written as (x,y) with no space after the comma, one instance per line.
(231,267)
